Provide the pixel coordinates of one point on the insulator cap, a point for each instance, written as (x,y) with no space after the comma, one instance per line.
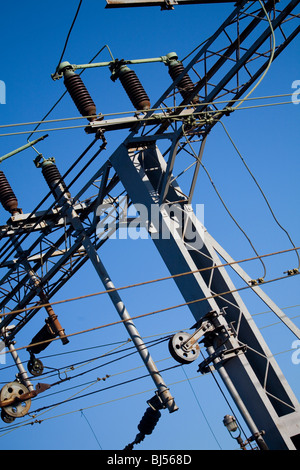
(134,89)
(7,196)
(80,95)
(185,86)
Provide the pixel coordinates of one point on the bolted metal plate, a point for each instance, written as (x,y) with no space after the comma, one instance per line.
(15,390)
(181,353)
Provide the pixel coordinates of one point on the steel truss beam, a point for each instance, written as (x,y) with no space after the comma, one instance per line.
(56,250)
(55,260)
(221,75)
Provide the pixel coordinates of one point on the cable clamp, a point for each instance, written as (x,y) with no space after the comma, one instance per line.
(292,272)
(169,5)
(255,282)
(228,110)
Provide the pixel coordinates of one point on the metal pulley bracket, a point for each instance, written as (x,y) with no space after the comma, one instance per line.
(18,398)
(222,354)
(160,402)
(184,347)
(15,399)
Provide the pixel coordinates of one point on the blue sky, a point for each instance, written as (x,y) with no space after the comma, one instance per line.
(32,37)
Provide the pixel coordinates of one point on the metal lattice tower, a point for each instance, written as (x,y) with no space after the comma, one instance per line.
(62,239)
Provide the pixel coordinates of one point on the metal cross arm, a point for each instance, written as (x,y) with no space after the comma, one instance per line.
(162,3)
(113,64)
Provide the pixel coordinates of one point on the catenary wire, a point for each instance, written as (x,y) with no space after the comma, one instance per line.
(13,427)
(155,312)
(6,246)
(225,205)
(69,33)
(17,426)
(132,351)
(261,191)
(106,377)
(141,119)
(201,408)
(174,276)
(38,421)
(91,428)
(125,342)
(125,382)
(234,219)
(270,59)
(166,108)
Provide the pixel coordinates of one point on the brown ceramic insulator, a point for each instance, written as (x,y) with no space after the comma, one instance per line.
(134,90)
(7,196)
(53,178)
(185,86)
(80,96)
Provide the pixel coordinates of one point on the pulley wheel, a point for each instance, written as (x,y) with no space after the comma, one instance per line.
(179,352)
(35,367)
(15,390)
(6,418)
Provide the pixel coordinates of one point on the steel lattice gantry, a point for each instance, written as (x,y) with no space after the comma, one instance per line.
(59,241)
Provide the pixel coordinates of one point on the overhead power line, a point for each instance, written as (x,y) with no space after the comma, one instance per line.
(214,286)
(143,283)
(226,206)
(141,120)
(261,191)
(35,419)
(270,59)
(155,312)
(161,108)
(69,33)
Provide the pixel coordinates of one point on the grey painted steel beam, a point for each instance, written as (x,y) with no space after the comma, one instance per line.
(255,375)
(258,291)
(74,220)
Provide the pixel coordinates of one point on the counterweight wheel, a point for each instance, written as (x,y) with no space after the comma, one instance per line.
(182,352)
(18,409)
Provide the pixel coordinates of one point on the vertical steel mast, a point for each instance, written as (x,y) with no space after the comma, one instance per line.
(224,69)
